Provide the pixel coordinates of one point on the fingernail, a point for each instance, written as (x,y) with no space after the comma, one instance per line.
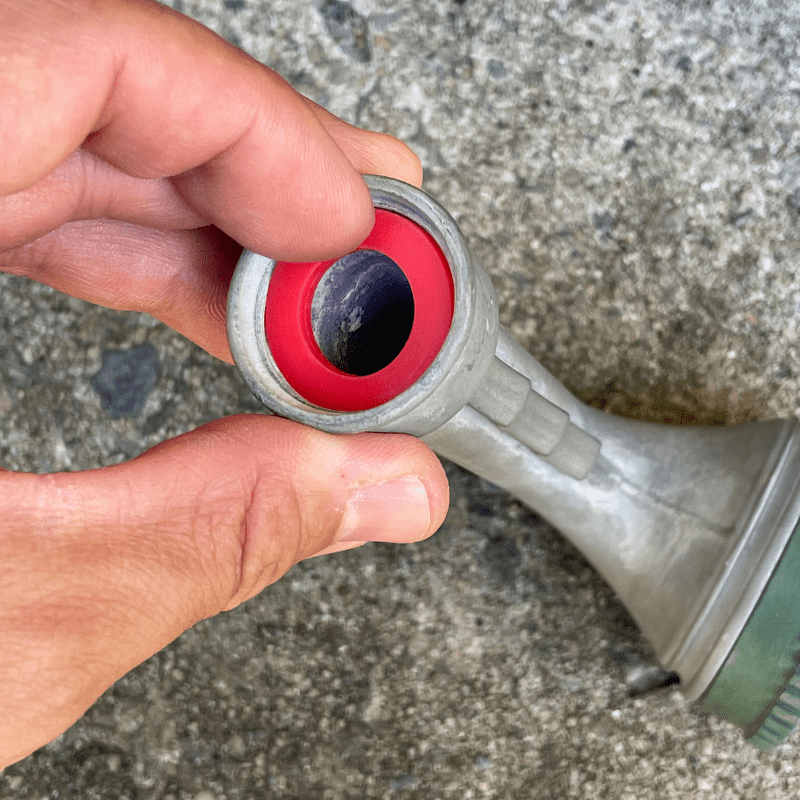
(396,511)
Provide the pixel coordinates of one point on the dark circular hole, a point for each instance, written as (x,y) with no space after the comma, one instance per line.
(362,312)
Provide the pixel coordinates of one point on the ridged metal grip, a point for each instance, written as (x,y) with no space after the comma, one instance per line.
(507,398)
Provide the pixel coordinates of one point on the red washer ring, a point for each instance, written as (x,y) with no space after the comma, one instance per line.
(293,344)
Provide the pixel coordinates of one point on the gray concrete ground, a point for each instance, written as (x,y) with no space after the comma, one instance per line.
(629,173)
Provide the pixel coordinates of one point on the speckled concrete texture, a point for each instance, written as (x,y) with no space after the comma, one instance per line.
(629,174)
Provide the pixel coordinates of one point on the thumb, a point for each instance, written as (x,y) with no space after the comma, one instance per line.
(104,568)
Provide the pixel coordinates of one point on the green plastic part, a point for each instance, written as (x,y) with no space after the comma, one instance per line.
(758,688)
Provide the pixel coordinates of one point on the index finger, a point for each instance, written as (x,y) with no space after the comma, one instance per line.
(159,96)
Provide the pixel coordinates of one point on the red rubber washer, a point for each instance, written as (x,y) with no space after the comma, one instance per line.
(294,346)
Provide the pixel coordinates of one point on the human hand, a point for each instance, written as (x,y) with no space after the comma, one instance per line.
(137,149)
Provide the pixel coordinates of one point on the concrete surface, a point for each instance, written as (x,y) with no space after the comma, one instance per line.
(629,173)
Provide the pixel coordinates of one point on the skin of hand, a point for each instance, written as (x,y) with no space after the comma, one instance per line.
(138,153)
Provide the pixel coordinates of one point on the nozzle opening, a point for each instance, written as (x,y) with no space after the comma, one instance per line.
(352,334)
(362,312)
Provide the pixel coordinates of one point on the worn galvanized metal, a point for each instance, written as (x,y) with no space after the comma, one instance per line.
(688,525)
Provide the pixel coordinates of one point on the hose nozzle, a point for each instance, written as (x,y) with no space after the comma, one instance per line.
(692,527)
